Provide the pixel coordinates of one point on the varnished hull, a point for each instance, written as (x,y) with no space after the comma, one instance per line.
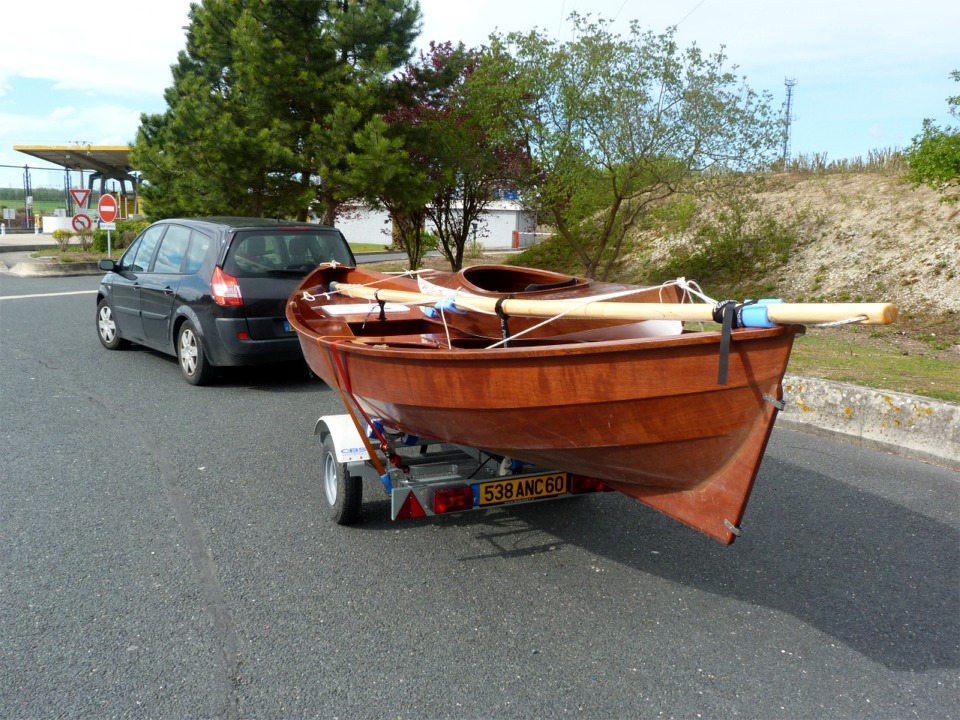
(647,415)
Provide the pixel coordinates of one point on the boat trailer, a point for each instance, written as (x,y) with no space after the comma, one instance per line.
(431,478)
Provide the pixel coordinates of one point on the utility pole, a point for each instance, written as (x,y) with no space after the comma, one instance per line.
(787,119)
(27,197)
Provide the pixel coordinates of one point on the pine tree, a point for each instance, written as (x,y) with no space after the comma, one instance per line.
(265,101)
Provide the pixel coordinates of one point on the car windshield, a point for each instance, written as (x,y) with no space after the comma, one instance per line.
(262,253)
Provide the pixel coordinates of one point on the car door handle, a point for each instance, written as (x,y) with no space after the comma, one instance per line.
(167,290)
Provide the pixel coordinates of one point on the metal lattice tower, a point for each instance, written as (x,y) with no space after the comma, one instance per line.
(27,196)
(787,119)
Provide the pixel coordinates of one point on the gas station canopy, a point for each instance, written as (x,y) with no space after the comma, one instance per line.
(103,162)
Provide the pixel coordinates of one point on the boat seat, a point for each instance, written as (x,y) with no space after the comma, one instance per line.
(569,282)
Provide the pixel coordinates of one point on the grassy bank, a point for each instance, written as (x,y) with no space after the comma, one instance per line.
(894,362)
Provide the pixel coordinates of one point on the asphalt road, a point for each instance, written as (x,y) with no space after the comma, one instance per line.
(165,555)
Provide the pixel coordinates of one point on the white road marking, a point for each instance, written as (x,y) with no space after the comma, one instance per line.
(43,295)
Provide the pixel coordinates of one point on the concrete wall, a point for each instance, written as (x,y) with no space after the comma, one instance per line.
(494,230)
(916,427)
(51,223)
(363,225)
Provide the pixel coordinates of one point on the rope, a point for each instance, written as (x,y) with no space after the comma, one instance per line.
(446,329)
(587,301)
(347,389)
(693,288)
(848,321)
(374,458)
(540,324)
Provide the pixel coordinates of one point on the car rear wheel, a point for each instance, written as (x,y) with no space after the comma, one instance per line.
(107,328)
(196,369)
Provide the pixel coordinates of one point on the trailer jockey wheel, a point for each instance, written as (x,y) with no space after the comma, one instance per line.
(342,491)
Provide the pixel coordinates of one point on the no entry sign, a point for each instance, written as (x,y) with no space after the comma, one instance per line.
(107,208)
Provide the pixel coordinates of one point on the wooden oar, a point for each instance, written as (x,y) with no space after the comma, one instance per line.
(776,312)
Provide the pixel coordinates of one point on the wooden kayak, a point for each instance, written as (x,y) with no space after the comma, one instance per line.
(646,415)
(507,281)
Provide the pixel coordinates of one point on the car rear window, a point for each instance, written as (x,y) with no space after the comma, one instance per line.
(263,253)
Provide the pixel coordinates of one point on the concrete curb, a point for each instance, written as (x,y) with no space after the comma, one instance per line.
(42,269)
(911,426)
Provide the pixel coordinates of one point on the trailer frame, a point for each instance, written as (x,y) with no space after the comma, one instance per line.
(431,478)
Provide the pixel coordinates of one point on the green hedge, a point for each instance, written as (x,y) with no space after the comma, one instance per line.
(126,232)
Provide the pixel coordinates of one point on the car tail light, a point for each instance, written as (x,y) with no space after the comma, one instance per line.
(225,288)
(452,499)
(580,484)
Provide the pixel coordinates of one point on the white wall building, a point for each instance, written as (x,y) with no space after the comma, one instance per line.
(495,229)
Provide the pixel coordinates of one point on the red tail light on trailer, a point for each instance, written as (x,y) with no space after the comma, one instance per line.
(453,499)
(581,484)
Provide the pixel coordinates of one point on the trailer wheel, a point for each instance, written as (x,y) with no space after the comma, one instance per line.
(342,491)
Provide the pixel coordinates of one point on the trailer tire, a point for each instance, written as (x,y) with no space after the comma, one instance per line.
(342,491)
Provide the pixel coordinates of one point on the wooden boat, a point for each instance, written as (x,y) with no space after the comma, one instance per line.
(647,415)
(496,281)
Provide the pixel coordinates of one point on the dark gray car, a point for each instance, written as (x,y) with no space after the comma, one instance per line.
(212,291)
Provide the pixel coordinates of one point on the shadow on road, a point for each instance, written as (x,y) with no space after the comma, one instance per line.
(879,578)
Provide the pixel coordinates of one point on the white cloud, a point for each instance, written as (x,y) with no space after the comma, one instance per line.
(114,47)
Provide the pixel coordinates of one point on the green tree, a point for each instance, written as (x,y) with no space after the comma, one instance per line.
(385,174)
(265,101)
(613,125)
(433,156)
(933,157)
(452,130)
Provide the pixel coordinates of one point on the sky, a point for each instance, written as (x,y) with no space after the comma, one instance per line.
(867,71)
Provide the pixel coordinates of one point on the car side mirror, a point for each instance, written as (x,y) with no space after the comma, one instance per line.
(108,265)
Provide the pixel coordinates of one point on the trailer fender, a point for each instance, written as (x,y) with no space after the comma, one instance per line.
(346,440)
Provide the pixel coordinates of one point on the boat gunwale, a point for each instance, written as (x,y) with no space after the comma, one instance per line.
(380,345)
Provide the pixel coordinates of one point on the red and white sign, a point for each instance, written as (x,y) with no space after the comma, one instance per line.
(80,197)
(107,208)
(81,222)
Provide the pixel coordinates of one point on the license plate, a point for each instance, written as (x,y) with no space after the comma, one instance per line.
(520,489)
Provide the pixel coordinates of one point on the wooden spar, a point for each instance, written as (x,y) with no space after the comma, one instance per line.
(781,313)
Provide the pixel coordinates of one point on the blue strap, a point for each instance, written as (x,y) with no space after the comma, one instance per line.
(755,314)
(448,304)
